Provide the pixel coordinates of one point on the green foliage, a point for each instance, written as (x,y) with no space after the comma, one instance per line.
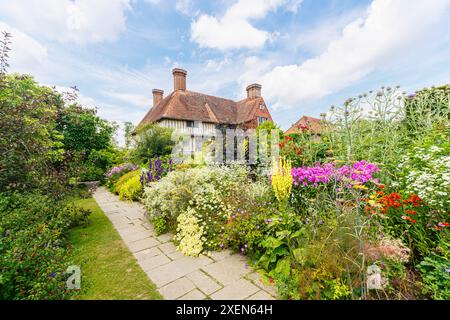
(160,225)
(33,248)
(115,173)
(30,144)
(305,148)
(272,132)
(128,128)
(209,193)
(131,187)
(152,141)
(426,108)
(83,130)
(435,271)
(87,141)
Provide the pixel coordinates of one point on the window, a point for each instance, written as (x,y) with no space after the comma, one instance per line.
(190,124)
(261,120)
(261,106)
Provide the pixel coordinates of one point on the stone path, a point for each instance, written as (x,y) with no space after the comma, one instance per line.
(221,276)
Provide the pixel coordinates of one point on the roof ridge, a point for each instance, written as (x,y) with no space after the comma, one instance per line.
(209,95)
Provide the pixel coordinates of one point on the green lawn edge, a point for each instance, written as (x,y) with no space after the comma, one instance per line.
(109,270)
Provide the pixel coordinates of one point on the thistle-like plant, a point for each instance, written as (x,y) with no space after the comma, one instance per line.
(5,41)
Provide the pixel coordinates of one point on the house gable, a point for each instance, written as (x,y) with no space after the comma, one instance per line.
(187,105)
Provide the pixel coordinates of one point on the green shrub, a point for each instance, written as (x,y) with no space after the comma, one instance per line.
(131,189)
(209,193)
(30,145)
(435,271)
(33,248)
(115,173)
(152,141)
(160,224)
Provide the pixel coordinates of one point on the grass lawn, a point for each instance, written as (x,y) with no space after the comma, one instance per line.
(109,270)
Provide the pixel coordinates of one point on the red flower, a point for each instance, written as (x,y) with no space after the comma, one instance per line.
(412,212)
(409,219)
(413,199)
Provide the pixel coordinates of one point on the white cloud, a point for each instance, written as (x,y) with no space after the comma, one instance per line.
(26,52)
(154,2)
(186,7)
(139,100)
(234,30)
(78,21)
(316,38)
(388,31)
(293,5)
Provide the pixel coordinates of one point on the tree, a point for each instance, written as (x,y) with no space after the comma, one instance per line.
(152,140)
(87,139)
(30,144)
(129,127)
(4,49)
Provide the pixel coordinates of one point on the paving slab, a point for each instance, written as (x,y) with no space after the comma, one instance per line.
(220,275)
(228,270)
(153,262)
(204,282)
(237,290)
(261,295)
(177,288)
(142,244)
(193,295)
(177,269)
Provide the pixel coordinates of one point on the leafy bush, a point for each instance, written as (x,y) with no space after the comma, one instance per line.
(33,248)
(30,145)
(131,187)
(152,141)
(209,193)
(426,172)
(435,270)
(115,173)
(427,107)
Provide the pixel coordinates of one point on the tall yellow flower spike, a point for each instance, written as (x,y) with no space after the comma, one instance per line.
(282,179)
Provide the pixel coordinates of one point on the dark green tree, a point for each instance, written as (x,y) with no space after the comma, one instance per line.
(152,140)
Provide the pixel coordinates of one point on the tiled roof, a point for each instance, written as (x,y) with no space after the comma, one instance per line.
(189,105)
(313,124)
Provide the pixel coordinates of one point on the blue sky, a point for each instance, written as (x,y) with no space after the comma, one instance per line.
(307,54)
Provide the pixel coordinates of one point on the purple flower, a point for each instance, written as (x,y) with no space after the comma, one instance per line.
(360,172)
(52,275)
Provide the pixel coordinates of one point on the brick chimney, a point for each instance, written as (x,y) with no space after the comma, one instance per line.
(253,91)
(157,96)
(179,79)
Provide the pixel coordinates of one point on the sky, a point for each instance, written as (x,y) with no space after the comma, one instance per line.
(306,54)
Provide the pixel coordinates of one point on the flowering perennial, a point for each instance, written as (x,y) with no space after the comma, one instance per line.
(156,171)
(123,168)
(282,179)
(428,175)
(189,234)
(360,173)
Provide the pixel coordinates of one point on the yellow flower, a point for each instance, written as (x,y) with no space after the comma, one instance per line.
(282,179)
